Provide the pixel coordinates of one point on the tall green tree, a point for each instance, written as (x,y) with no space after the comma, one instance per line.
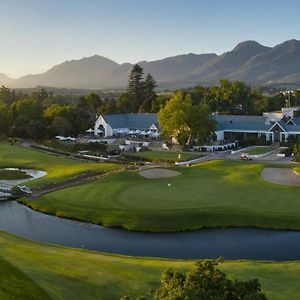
(149,94)
(136,87)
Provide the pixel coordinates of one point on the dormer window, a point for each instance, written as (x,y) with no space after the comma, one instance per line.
(290,122)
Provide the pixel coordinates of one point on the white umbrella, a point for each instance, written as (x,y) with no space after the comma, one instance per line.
(90,130)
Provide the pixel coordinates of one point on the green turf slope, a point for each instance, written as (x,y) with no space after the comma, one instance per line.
(16,285)
(260,150)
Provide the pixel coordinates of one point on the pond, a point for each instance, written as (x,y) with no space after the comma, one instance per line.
(6,184)
(230,243)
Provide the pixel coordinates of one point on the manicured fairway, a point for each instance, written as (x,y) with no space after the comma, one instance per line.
(211,194)
(260,150)
(65,273)
(57,167)
(157,156)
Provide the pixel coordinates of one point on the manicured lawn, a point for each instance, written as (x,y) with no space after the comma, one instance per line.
(58,168)
(161,156)
(260,150)
(65,273)
(211,194)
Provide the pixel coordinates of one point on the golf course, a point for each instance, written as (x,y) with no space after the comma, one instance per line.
(42,271)
(219,193)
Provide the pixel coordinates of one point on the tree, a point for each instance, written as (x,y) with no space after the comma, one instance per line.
(7,96)
(231,98)
(201,124)
(149,94)
(123,104)
(27,119)
(181,120)
(296,150)
(173,118)
(94,102)
(206,281)
(159,102)
(135,88)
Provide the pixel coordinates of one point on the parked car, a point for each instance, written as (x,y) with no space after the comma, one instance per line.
(245,156)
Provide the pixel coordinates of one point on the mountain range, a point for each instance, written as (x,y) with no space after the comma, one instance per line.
(249,61)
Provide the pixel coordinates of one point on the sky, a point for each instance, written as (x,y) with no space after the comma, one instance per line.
(37,34)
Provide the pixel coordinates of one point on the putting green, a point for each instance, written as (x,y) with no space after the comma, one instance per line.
(65,273)
(211,194)
(58,168)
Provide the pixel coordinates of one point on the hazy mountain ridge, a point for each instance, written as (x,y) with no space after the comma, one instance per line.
(249,61)
(5,80)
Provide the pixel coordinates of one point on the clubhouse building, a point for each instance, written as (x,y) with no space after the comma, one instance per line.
(272,126)
(131,125)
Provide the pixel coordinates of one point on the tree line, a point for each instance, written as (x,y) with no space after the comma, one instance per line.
(43,114)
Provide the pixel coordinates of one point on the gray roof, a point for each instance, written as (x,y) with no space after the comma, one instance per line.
(224,122)
(131,121)
(295,128)
(254,123)
(296,120)
(236,122)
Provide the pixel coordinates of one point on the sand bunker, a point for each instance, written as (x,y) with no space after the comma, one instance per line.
(158,173)
(281,176)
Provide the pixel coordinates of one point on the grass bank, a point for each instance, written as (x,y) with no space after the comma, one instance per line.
(163,156)
(260,150)
(211,194)
(65,273)
(14,284)
(13,174)
(58,168)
